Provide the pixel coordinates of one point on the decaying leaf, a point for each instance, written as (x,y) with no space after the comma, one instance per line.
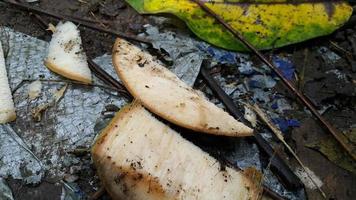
(139,157)
(37,112)
(331,149)
(164,94)
(305,174)
(264,23)
(65,53)
(57,95)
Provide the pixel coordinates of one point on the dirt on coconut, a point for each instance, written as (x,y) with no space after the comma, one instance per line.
(324,90)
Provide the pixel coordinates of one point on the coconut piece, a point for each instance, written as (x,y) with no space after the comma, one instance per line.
(65,53)
(34,89)
(139,157)
(7,108)
(164,94)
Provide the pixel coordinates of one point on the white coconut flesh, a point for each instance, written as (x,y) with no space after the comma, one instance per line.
(7,108)
(164,94)
(65,53)
(138,157)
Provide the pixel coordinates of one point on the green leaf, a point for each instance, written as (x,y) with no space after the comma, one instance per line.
(332,150)
(264,23)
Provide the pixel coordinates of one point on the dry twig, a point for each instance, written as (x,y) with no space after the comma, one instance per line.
(280,137)
(37,10)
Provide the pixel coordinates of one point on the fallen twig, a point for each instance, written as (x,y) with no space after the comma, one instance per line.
(278,165)
(97,20)
(37,10)
(337,47)
(19,141)
(280,137)
(103,75)
(339,137)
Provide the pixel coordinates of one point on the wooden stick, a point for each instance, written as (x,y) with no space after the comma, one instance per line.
(280,136)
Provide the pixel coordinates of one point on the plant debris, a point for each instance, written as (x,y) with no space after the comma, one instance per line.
(332,151)
(38,111)
(304,176)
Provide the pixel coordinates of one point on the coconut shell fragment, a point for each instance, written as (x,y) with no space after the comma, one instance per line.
(138,157)
(164,94)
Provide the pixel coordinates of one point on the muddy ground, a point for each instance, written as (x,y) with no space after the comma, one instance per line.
(324,90)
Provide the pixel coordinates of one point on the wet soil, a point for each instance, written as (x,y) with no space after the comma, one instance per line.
(324,89)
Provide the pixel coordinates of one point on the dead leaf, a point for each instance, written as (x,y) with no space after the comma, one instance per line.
(332,151)
(37,112)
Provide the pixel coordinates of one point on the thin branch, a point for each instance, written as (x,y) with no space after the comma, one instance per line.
(19,141)
(280,136)
(97,20)
(340,138)
(279,166)
(109,79)
(40,11)
(71,82)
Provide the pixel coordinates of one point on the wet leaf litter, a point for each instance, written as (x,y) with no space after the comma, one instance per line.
(230,87)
